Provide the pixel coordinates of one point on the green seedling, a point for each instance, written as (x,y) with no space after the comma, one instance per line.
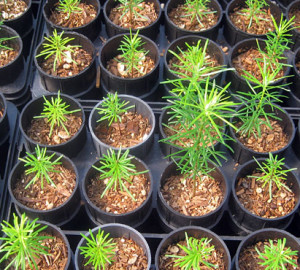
(22,244)
(69,7)
(40,164)
(133,8)
(3,41)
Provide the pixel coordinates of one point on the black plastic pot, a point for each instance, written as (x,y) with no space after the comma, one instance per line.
(285,2)
(11,71)
(263,235)
(173,31)
(112,29)
(134,218)
(140,150)
(115,231)
(59,215)
(73,85)
(171,219)
(34,108)
(294,5)
(238,83)
(4,124)
(192,231)
(247,221)
(233,34)
(137,86)
(242,154)
(295,78)
(90,30)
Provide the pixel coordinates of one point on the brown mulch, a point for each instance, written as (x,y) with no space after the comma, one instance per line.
(40,128)
(255,198)
(132,130)
(66,67)
(271,139)
(167,263)
(1,112)
(178,193)
(182,18)
(241,21)
(128,256)
(76,19)
(146,10)
(249,259)
(49,197)
(7,56)
(12,9)
(117,201)
(295,12)
(116,67)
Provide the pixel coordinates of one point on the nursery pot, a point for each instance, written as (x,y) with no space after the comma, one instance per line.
(34,108)
(151,31)
(233,34)
(292,7)
(90,30)
(4,124)
(115,231)
(172,219)
(263,235)
(140,150)
(133,218)
(247,221)
(173,31)
(72,85)
(129,86)
(59,215)
(242,154)
(192,231)
(295,78)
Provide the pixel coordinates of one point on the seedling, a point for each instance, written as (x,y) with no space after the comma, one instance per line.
(22,244)
(55,111)
(3,41)
(69,7)
(277,256)
(59,47)
(40,164)
(98,251)
(133,8)
(118,169)
(272,173)
(197,253)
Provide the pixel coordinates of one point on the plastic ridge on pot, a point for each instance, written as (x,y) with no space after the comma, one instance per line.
(4,124)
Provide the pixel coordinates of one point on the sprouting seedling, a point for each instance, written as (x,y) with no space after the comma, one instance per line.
(276,256)
(118,169)
(69,7)
(59,47)
(272,173)
(55,111)
(132,52)
(3,41)
(40,164)
(197,253)
(22,244)
(99,251)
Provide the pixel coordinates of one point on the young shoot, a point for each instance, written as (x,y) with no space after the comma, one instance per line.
(40,165)
(133,8)
(69,7)
(58,47)
(118,169)
(55,111)
(99,251)
(4,40)
(276,256)
(197,254)
(272,173)
(22,244)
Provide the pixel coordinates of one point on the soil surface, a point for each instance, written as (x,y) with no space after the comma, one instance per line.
(12,9)
(132,130)
(146,10)
(118,201)
(129,256)
(181,17)
(271,139)
(167,263)
(295,12)
(7,56)
(249,258)
(67,67)
(76,19)
(49,197)
(255,198)
(116,67)
(178,193)
(240,19)
(40,128)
